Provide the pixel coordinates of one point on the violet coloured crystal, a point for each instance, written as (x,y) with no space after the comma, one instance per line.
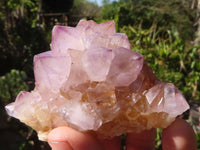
(91,81)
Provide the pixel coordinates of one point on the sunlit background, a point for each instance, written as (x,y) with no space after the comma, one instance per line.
(101,2)
(166,32)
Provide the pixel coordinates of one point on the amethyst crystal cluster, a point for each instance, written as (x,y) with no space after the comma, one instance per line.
(93,82)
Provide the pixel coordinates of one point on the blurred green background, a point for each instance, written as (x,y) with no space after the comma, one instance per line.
(166,32)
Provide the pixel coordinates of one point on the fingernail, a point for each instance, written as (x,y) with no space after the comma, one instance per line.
(60,146)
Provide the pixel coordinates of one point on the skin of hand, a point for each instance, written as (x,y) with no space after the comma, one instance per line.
(178,136)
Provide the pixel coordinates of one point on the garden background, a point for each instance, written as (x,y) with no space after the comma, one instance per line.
(166,32)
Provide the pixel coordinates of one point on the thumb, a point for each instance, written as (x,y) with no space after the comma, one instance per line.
(179,136)
(65,138)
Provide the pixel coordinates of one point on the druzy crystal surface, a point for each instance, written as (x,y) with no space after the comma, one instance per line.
(93,82)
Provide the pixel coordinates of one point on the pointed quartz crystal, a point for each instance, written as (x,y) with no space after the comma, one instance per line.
(91,81)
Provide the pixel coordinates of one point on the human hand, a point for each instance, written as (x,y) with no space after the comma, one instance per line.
(178,136)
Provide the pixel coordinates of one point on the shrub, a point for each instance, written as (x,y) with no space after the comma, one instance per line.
(169,57)
(11,84)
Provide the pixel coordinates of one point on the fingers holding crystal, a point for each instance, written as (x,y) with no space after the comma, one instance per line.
(65,138)
(179,136)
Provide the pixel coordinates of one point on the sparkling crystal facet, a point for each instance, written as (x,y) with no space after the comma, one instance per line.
(92,81)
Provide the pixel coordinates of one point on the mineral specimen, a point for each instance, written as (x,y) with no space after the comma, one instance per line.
(92,81)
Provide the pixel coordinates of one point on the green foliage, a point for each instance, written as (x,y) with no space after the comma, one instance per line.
(11,84)
(148,12)
(192,65)
(15,4)
(158,29)
(158,145)
(168,56)
(20,45)
(20,38)
(21,9)
(198,139)
(109,11)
